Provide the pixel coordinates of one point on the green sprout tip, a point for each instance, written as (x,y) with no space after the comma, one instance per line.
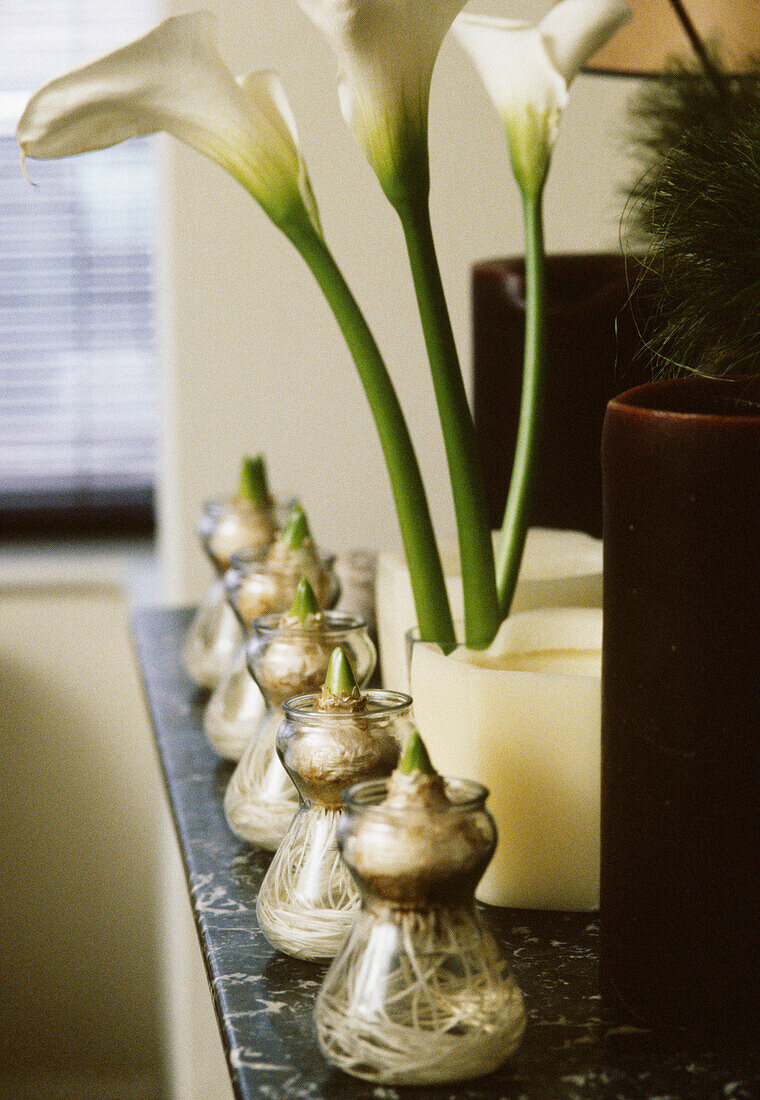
(415,758)
(304,602)
(340,679)
(253,480)
(296,530)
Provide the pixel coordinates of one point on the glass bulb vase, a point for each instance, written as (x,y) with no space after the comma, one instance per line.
(420,993)
(225,527)
(256,583)
(308,900)
(212,640)
(285,659)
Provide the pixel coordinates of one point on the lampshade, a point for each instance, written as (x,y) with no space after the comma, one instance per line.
(655,35)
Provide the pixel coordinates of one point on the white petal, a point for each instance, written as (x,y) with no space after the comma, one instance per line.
(266,94)
(526,71)
(575,29)
(513,64)
(173,79)
(386,51)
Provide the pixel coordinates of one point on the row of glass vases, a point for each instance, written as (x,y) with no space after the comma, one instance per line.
(418,992)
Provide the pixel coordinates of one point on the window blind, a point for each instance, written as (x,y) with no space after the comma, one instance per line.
(77,348)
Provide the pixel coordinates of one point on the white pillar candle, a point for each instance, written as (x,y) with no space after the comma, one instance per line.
(559,569)
(523,717)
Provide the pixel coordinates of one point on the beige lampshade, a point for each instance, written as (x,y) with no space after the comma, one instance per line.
(655,35)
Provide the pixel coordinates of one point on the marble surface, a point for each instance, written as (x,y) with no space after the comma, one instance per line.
(264,999)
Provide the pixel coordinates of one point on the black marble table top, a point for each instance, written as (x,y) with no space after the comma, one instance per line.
(264,999)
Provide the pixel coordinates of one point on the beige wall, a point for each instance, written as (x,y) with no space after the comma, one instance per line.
(78,899)
(252,357)
(104,992)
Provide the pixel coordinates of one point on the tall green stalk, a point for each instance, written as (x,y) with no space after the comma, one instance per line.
(428,585)
(481,609)
(515,526)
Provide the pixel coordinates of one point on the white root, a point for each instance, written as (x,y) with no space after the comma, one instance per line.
(211,640)
(260,801)
(308,901)
(419,998)
(234,711)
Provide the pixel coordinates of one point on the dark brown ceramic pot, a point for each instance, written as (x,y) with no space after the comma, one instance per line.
(680,888)
(593,339)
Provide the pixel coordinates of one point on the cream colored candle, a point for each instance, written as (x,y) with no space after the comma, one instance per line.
(523,717)
(559,569)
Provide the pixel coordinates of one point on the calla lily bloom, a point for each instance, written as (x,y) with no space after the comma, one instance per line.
(527,72)
(173,79)
(386,51)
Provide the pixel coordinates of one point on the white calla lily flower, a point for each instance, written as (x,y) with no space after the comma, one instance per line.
(527,71)
(174,80)
(386,51)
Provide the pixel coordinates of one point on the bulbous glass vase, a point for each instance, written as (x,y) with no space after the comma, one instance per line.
(264,580)
(286,659)
(212,639)
(308,900)
(420,993)
(225,527)
(257,582)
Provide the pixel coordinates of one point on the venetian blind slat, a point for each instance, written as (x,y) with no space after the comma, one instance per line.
(77,347)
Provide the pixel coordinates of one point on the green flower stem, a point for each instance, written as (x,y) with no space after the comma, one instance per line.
(475,545)
(428,585)
(515,526)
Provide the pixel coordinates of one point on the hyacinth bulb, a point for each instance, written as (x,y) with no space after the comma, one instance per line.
(328,741)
